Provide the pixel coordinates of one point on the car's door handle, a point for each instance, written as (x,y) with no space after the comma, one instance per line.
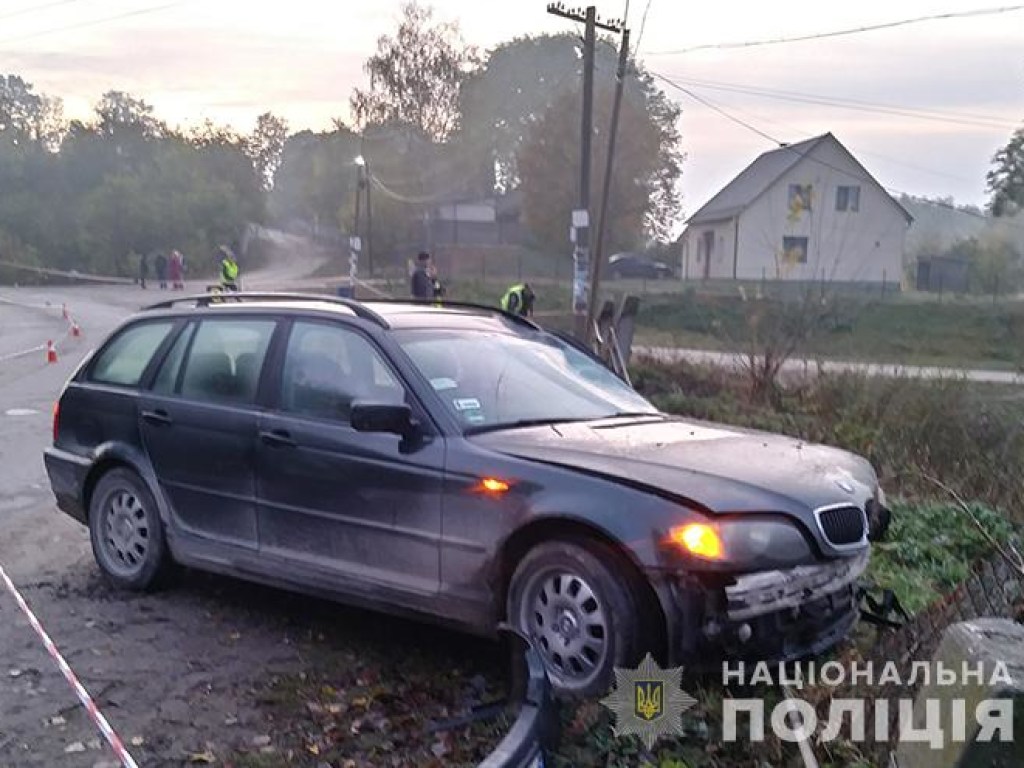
(159,417)
(278,438)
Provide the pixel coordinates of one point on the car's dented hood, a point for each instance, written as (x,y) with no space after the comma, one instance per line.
(723,469)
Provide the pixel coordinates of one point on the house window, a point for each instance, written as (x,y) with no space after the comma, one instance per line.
(848,199)
(799,198)
(794,250)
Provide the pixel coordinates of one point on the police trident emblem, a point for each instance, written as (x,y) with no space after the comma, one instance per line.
(648,701)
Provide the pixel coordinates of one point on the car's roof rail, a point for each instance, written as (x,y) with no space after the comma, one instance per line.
(206,299)
(464,305)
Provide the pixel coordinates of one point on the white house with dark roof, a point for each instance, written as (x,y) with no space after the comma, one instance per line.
(803,212)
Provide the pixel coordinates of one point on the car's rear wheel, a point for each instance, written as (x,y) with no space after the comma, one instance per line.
(582,618)
(126,532)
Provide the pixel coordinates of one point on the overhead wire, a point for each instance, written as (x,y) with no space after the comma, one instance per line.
(92,22)
(35,9)
(716,108)
(859,151)
(857,105)
(643,26)
(806,155)
(1000,10)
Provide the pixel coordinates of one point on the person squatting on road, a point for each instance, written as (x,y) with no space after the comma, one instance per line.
(519,300)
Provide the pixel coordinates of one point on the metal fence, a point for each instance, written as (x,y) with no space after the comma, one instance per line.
(994,589)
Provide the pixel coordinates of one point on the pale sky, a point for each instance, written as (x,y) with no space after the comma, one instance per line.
(230,60)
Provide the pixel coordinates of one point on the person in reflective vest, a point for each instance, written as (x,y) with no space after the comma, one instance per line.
(228,270)
(519,300)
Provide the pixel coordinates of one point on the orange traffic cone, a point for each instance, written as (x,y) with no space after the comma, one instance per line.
(75,330)
(51,352)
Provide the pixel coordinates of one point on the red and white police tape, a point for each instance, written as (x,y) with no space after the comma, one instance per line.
(83,695)
(74,329)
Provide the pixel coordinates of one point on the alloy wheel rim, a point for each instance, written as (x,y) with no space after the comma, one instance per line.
(125,534)
(568,624)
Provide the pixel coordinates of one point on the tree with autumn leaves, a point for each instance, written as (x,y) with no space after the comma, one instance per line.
(510,121)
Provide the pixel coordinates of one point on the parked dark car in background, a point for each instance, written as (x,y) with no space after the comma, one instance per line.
(456,464)
(638,266)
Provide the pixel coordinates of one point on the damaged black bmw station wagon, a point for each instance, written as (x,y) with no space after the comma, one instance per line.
(461,465)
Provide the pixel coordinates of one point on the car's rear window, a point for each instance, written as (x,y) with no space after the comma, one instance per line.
(226,358)
(123,361)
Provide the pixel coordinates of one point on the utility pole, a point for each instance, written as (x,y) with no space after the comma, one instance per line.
(580,225)
(602,221)
(369,224)
(355,242)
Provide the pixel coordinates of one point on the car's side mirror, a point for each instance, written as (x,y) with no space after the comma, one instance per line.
(395,418)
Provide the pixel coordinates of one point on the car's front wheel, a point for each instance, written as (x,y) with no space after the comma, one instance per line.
(126,532)
(582,618)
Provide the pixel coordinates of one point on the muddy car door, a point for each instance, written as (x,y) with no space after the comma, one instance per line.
(198,424)
(336,502)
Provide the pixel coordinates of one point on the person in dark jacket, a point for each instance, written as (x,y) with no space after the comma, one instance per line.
(143,270)
(422,281)
(160,263)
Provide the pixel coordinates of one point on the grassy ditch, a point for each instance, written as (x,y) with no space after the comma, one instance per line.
(956,332)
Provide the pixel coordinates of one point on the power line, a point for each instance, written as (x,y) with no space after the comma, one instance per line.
(34,9)
(92,23)
(716,108)
(807,156)
(845,100)
(892,160)
(857,105)
(643,26)
(843,32)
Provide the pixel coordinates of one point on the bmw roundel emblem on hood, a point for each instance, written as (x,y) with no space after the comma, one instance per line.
(845,485)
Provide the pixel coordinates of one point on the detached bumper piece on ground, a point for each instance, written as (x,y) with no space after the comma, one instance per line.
(535,731)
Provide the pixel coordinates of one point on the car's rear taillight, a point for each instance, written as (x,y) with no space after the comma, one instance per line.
(56,420)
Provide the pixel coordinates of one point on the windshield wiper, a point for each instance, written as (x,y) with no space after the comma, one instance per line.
(521,423)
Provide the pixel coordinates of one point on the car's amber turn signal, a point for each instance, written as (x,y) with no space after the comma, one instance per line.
(492,485)
(700,540)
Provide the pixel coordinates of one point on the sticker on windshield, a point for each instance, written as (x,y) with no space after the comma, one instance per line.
(474,417)
(466,404)
(442,384)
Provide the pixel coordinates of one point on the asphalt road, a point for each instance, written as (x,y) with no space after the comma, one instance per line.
(178,673)
(165,668)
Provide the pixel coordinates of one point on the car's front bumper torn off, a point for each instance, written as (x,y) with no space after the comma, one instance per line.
(757,594)
(772,615)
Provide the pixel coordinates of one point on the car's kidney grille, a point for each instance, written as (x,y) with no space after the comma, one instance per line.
(842,525)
